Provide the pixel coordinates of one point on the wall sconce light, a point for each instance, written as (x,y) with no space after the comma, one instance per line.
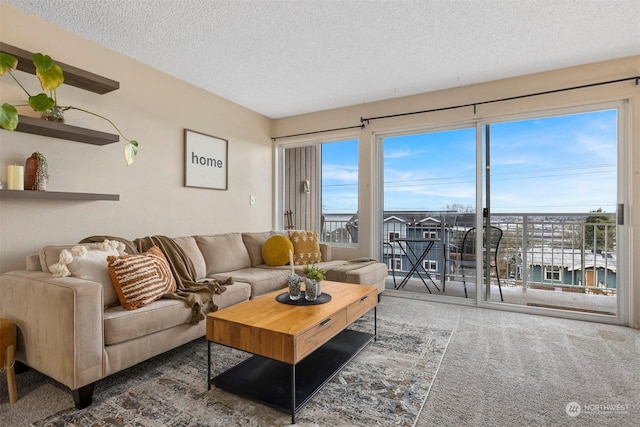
(305,186)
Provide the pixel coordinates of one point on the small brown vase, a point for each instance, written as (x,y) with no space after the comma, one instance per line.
(31,175)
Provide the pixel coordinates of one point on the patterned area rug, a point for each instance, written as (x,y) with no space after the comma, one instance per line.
(386,384)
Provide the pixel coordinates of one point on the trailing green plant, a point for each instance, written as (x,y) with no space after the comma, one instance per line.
(313,272)
(51,78)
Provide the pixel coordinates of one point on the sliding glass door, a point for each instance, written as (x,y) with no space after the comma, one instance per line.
(522,212)
(551,191)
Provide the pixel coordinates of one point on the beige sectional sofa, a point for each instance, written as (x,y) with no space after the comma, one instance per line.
(66,331)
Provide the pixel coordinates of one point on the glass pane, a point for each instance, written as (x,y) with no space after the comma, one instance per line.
(429,204)
(340,191)
(553,187)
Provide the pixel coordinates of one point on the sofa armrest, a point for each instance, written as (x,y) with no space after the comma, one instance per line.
(59,322)
(325,250)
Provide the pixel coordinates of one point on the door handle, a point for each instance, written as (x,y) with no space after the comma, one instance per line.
(621,214)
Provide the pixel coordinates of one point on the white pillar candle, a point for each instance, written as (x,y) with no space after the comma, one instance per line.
(15,179)
(291,260)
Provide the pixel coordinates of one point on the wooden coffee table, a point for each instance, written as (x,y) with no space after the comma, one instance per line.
(296,348)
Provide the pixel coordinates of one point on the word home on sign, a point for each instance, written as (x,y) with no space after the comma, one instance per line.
(205,161)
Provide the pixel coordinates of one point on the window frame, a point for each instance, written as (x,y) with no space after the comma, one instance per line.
(552,270)
(429,234)
(280,194)
(428,263)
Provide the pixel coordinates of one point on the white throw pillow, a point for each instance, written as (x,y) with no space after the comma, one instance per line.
(89,262)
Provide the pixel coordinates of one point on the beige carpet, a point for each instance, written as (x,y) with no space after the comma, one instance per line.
(512,369)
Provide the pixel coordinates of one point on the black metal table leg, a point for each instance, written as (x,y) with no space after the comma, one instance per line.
(418,264)
(375,323)
(208,365)
(412,270)
(293,394)
(415,265)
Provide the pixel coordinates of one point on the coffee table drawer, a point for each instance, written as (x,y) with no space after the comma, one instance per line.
(360,307)
(320,334)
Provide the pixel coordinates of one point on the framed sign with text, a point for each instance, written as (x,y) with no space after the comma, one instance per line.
(205,161)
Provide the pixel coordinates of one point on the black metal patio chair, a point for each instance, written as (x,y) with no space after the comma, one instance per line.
(465,259)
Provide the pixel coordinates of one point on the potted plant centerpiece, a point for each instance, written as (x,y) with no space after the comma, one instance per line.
(313,276)
(51,77)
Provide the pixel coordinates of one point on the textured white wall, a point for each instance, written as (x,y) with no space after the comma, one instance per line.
(153,108)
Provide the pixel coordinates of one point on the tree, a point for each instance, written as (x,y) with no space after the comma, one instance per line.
(599,237)
(459,207)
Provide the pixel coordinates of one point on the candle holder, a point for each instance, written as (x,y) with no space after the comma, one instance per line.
(295,291)
(312,289)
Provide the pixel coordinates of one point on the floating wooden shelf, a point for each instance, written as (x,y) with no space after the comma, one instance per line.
(62,131)
(27,194)
(72,76)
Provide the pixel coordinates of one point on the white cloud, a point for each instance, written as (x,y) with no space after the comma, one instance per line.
(340,173)
(398,154)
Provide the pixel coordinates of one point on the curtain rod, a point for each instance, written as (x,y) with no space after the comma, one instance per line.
(365,120)
(360,126)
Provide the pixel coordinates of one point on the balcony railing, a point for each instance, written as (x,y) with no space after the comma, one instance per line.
(571,251)
(339,228)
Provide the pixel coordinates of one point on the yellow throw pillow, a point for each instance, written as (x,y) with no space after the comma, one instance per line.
(275,250)
(141,279)
(306,249)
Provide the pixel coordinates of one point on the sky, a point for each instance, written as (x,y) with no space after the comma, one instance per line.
(545,165)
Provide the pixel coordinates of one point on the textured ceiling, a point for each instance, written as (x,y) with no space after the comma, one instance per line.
(282,58)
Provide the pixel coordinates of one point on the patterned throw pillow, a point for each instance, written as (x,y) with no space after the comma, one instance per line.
(275,250)
(141,279)
(306,249)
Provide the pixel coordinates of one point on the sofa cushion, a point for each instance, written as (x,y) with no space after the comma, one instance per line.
(223,252)
(32,263)
(324,265)
(305,247)
(262,280)
(190,247)
(254,242)
(141,279)
(50,255)
(236,293)
(123,325)
(277,250)
(369,274)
